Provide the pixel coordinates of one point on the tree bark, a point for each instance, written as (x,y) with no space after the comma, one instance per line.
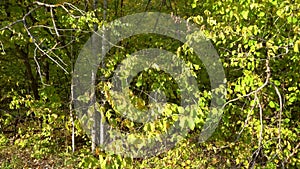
(32,80)
(95,127)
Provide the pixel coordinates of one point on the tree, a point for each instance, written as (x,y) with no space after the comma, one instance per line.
(258,44)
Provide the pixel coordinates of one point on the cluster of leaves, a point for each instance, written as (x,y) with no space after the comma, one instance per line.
(258,45)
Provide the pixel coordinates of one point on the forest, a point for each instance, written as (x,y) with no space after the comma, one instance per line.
(149,84)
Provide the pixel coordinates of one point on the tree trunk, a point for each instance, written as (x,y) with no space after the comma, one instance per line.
(102,55)
(33,82)
(72,100)
(95,127)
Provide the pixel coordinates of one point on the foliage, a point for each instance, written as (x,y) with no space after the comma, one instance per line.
(258,43)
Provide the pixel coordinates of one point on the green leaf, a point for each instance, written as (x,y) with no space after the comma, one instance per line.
(291,19)
(194,5)
(245,14)
(55,116)
(182,122)
(191,124)
(280,13)
(277,82)
(180,110)
(139,83)
(261,14)
(272,104)
(286,120)
(196,67)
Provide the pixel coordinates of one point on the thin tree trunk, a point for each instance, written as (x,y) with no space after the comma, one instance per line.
(72,116)
(116,7)
(121,10)
(29,74)
(102,55)
(95,127)
(72,101)
(95,118)
(98,128)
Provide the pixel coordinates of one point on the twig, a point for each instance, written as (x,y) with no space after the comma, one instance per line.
(246,121)
(106,40)
(257,151)
(280,114)
(35,41)
(295,149)
(61,47)
(38,65)
(75,8)
(39,48)
(286,51)
(11,24)
(53,21)
(268,71)
(62,6)
(261,121)
(2,47)
(59,29)
(279,121)
(46,5)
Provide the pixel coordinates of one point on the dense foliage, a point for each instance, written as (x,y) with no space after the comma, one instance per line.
(258,43)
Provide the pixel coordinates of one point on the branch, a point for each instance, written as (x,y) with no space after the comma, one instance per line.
(257,151)
(280,114)
(279,121)
(11,24)
(59,29)
(74,8)
(35,41)
(268,71)
(46,5)
(38,66)
(295,149)
(261,121)
(2,47)
(106,40)
(62,6)
(53,21)
(246,121)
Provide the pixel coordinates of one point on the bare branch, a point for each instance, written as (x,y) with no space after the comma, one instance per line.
(2,47)
(35,41)
(279,120)
(280,114)
(62,6)
(39,48)
(281,54)
(38,66)
(107,41)
(59,29)
(53,21)
(11,24)
(75,8)
(46,5)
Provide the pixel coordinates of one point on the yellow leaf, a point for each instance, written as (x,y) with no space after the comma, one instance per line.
(140,104)
(296,46)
